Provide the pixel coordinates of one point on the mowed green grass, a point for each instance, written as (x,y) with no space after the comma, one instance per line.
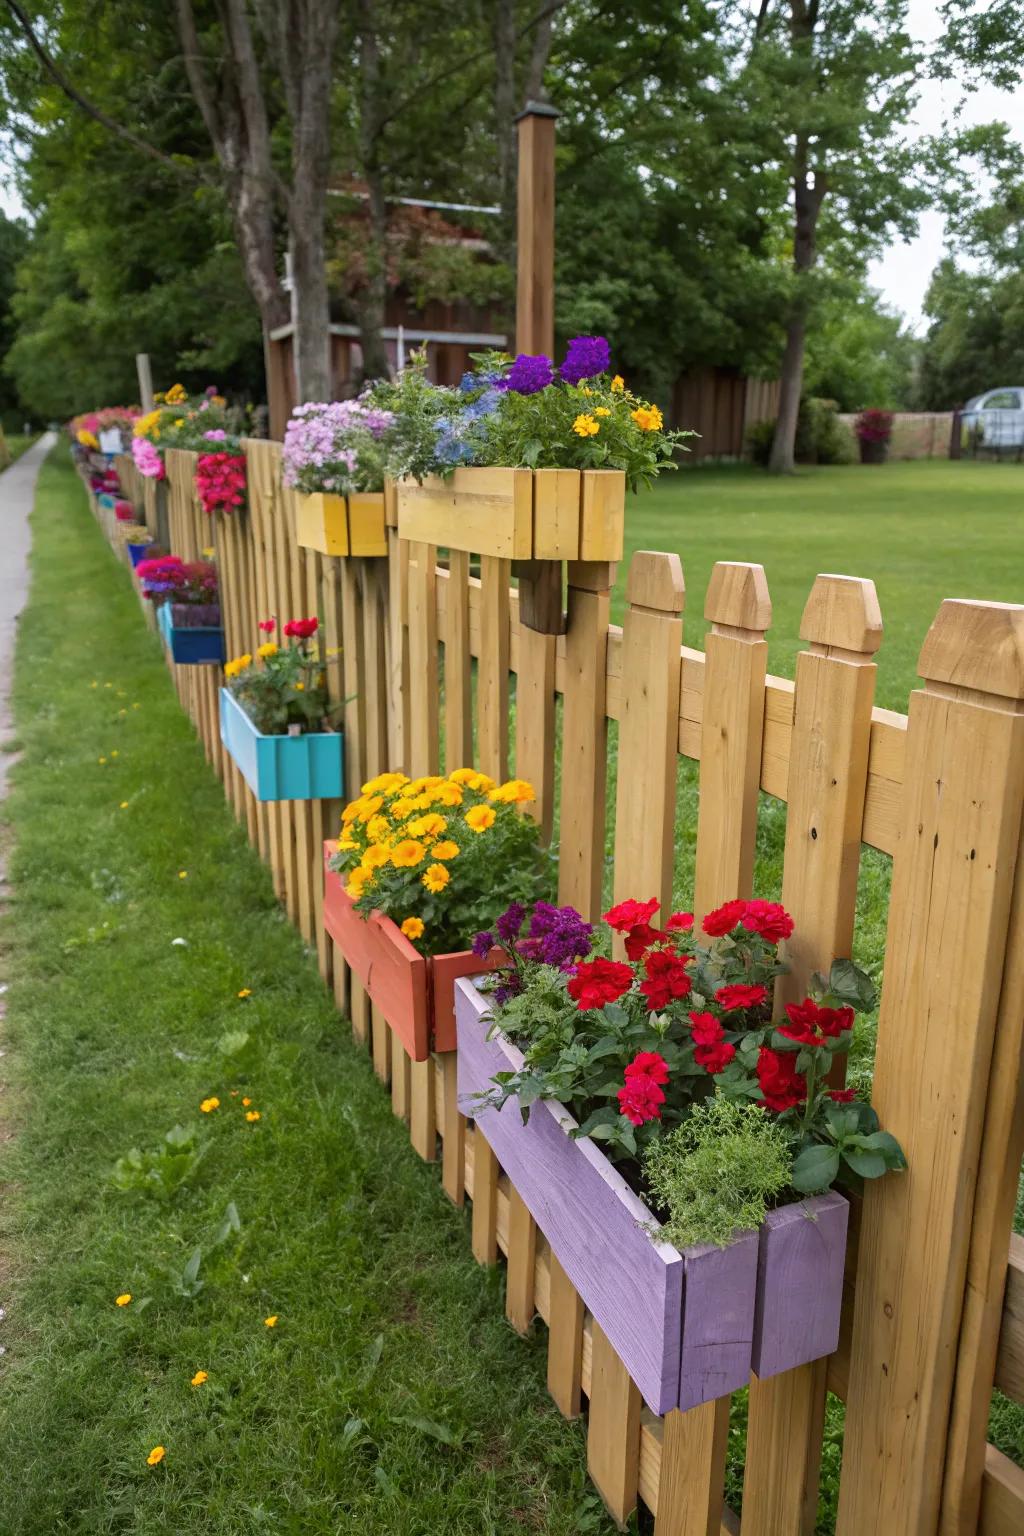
(391,1396)
(921,531)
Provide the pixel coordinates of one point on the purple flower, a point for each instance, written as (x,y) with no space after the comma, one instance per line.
(483,943)
(587,356)
(557,936)
(528,375)
(510,987)
(510,922)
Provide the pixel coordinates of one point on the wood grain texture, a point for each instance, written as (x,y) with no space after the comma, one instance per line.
(492,668)
(481,511)
(424,734)
(484,1192)
(584,748)
(367,534)
(522,1259)
(718,1319)
(458,667)
(556,514)
(453,1131)
(1009,1375)
(422,1110)
(1002,1498)
(565,1340)
(602,514)
(321,523)
(801,1255)
(535,724)
(690,1500)
(613,1428)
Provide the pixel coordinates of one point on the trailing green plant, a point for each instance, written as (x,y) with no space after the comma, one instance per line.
(719,1172)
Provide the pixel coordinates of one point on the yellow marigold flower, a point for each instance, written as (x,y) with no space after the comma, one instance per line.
(407,854)
(375,857)
(245,992)
(347,842)
(252,1115)
(462,776)
(271,1321)
(436,878)
(378,828)
(357,878)
(199,1378)
(156,1456)
(515,792)
(209,1105)
(618,384)
(447,794)
(124,805)
(402,808)
(369,807)
(480,817)
(585,425)
(648,418)
(602,410)
(246,1103)
(384,783)
(445,850)
(427,826)
(351,811)
(413,927)
(123,1300)
(267,649)
(182,874)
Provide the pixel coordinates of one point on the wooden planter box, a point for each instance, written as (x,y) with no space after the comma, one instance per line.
(687,1325)
(341,525)
(190,645)
(307,767)
(518,514)
(414,992)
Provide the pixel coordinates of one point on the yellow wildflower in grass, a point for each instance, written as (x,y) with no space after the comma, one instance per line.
(267,649)
(445,850)
(378,828)
(182,874)
(515,792)
(585,425)
(648,418)
(123,1300)
(436,878)
(427,826)
(199,1378)
(124,805)
(246,1103)
(122,712)
(136,706)
(602,410)
(407,854)
(209,1105)
(156,1456)
(479,818)
(447,794)
(101,760)
(271,1321)
(252,1115)
(618,384)
(108,685)
(115,753)
(94,685)
(245,992)
(412,927)
(375,857)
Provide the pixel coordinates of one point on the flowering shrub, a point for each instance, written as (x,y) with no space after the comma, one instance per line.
(180,420)
(337,446)
(281,687)
(874,426)
(525,412)
(631,1047)
(189,586)
(429,852)
(220,476)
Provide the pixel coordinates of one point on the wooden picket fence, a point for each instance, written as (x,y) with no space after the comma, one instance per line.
(934,1300)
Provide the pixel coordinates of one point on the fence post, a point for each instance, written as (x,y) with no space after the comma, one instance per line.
(424,747)
(828,767)
(584,737)
(953,873)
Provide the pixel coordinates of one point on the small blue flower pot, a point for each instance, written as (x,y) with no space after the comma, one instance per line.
(199,646)
(307,767)
(136,553)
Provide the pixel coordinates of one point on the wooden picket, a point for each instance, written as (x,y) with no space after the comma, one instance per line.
(425,660)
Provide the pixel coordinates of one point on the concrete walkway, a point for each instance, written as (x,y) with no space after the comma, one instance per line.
(17,493)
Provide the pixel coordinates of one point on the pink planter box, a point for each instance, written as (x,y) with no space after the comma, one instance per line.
(684,1323)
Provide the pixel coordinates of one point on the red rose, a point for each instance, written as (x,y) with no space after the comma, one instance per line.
(666,978)
(302,628)
(782,1085)
(724,919)
(740,996)
(768,919)
(842,1095)
(648,1064)
(630,914)
(679,922)
(640,1099)
(714,1058)
(597,982)
(641,938)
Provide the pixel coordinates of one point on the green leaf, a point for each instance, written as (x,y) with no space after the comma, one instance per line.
(852,986)
(234,1042)
(815,1168)
(432,1427)
(870,1165)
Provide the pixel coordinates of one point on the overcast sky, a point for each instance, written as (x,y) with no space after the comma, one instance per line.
(902,274)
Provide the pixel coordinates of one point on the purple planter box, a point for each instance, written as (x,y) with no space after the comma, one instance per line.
(800,1262)
(681,1323)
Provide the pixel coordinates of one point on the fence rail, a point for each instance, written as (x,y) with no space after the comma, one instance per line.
(427,657)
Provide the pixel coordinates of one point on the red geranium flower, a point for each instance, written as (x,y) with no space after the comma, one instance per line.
(630,914)
(648,1064)
(302,628)
(842,1095)
(641,938)
(740,996)
(267,626)
(782,1085)
(679,922)
(809,1022)
(724,919)
(666,978)
(768,919)
(713,1052)
(597,982)
(640,1099)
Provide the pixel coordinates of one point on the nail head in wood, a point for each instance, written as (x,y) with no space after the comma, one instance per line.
(843,611)
(737,595)
(656,581)
(976,645)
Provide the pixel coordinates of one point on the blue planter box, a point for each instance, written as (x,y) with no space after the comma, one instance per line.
(190,647)
(136,553)
(282,767)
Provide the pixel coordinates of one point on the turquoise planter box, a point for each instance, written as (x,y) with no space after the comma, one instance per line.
(190,645)
(282,767)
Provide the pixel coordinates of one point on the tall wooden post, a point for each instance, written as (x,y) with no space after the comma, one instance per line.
(535,229)
(145,376)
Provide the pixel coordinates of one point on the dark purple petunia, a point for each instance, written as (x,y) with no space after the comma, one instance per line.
(528,375)
(557,936)
(510,922)
(483,944)
(510,987)
(587,356)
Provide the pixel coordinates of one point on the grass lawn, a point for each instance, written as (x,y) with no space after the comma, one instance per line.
(391,1396)
(16,445)
(921,531)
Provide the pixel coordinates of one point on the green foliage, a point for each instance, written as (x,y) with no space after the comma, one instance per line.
(860,354)
(820,437)
(420,408)
(282,686)
(162,1172)
(718,1173)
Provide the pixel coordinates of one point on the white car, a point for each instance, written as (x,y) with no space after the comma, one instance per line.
(995,420)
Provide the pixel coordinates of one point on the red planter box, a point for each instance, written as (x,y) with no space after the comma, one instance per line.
(414,992)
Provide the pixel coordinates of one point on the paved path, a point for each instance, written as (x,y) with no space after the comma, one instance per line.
(17,493)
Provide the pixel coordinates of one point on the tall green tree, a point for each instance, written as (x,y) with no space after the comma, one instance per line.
(13,244)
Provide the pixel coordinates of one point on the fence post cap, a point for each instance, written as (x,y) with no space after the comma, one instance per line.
(976,645)
(737,595)
(843,612)
(655,580)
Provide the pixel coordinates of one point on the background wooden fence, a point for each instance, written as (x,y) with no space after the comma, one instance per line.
(435,670)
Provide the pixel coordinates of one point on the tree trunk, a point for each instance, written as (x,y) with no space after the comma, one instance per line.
(312,313)
(807,200)
(371,304)
(504,33)
(790,385)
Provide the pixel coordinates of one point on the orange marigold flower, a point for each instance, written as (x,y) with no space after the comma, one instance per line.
(479,818)
(156,1456)
(515,792)
(445,850)
(407,854)
(123,1299)
(412,927)
(436,878)
(208,1105)
(271,1321)
(199,1378)
(252,1115)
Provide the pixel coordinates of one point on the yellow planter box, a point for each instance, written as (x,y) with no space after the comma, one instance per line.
(518,514)
(339,525)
